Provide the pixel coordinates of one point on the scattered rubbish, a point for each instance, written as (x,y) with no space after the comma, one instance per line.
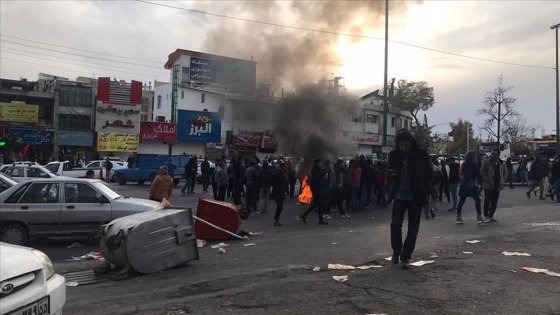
(514,271)
(255,233)
(221,245)
(89,256)
(516,254)
(71,284)
(334,243)
(388,258)
(439,236)
(368,267)
(421,263)
(468,253)
(545,271)
(317,269)
(434,256)
(340,267)
(75,245)
(222,250)
(475,242)
(340,279)
(200,243)
(544,224)
(250,244)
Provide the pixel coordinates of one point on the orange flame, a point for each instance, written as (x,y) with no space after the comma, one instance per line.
(306,196)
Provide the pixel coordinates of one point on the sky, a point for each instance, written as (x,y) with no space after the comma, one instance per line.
(131,40)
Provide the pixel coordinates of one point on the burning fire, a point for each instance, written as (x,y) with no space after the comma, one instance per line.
(306,195)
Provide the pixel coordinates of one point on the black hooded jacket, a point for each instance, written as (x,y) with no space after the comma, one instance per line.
(416,162)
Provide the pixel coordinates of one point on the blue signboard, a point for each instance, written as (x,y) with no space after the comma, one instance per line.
(78,138)
(194,126)
(33,136)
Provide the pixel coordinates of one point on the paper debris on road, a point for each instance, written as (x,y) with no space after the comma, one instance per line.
(434,255)
(71,284)
(475,242)
(334,243)
(255,233)
(545,271)
(544,224)
(340,267)
(317,269)
(250,244)
(75,245)
(341,279)
(388,258)
(439,236)
(368,267)
(222,250)
(516,254)
(421,263)
(468,253)
(200,243)
(221,245)
(90,256)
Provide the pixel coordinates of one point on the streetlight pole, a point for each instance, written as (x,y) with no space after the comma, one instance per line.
(385,89)
(555,27)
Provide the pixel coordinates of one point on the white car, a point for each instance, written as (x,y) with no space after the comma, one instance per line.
(117,165)
(22,172)
(28,283)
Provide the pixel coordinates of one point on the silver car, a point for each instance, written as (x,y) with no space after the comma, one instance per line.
(21,172)
(62,206)
(6,182)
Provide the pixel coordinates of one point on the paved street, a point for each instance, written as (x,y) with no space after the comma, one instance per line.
(275,275)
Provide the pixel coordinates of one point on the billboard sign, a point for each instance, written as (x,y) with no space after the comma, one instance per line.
(78,138)
(33,136)
(195,126)
(120,92)
(151,130)
(117,118)
(226,73)
(19,112)
(117,142)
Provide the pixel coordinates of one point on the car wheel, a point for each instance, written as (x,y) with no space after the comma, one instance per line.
(152,177)
(121,179)
(140,182)
(15,234)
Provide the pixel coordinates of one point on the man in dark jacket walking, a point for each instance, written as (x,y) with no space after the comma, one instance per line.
(537,174)
(265,183)
(206,173)
(317,184)
(454,180)
(413,173)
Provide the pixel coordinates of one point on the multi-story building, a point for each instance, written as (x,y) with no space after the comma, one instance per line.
(26,121)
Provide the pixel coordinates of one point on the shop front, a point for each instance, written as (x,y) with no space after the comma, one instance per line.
(76,143)
(30,145)
(252,143)
(196,129)
(158,138)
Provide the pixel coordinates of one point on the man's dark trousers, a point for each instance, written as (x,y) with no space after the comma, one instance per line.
(491,197)
(414,215)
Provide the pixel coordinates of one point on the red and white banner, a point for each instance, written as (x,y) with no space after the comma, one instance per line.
(152,130)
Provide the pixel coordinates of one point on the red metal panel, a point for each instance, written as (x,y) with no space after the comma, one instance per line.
(222,214)
(136,92)
(103,89)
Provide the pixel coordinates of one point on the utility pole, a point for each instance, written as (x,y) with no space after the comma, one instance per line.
(468,136)
(385,89)
(555,27)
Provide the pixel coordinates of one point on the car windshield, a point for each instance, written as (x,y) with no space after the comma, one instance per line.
(52,167)
(108,190)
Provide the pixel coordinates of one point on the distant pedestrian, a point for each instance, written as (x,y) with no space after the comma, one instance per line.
(454,180)
(193,171)
(510,175)
(89,174)
(251,176)
(279,186)
(537,176)
(239,179)
(162,186)
(231,176)
(354,179)
(205,169)
(336,183)
(190,168)
(523,172)
(292,178)
(555,178)
(444,183)
(214,180)
(222,181)
(108,168)
(414,173)
(494,173)
(316,184)
(264,183)
(171,166)
(470,180)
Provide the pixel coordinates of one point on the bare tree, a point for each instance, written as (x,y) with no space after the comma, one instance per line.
(498,110)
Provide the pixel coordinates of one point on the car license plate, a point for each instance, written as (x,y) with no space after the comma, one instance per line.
(40,307)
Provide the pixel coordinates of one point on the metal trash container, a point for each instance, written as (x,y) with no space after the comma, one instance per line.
(219,213)
(151,241)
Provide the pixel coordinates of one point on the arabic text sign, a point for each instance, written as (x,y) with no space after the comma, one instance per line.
(197,126)
(79,138)
(151,130)
(117,118)
(117,142)
(19,112)
(33,136)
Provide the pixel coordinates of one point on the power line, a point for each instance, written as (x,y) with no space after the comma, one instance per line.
(83,50)
(79,65)
(79,55)
(69,59)
(338,33)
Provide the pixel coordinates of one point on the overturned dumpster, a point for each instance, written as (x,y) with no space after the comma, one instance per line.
(151,241)
(222,215)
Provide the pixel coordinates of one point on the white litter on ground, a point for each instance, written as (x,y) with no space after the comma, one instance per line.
(516,254)
(388,258)
(71,284)
(200,243)
(221,245)
(222,250)
(468,253)
(340,267)
(545,271)
(421,263)
(368,267)
(340,279)
(250,244)
(317,269)
(475,242)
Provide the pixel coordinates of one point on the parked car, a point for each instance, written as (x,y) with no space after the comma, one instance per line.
(117,165)
(22,172)
(62,206)
(65,169)
(6,182)
(29,283)
(148,168)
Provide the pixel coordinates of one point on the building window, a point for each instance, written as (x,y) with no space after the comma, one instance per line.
(372,119)
(222,112)
(146,100)
(160,118)
(75,96)
(393,121)
(202,98)
(74,122)
(182,94)
(406,123)
(144,117)
(159,101)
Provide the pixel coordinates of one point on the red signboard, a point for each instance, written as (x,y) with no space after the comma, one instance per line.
(119,92)
(151,130)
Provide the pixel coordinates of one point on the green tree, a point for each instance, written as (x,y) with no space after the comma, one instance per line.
(415,97)
(459,135)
